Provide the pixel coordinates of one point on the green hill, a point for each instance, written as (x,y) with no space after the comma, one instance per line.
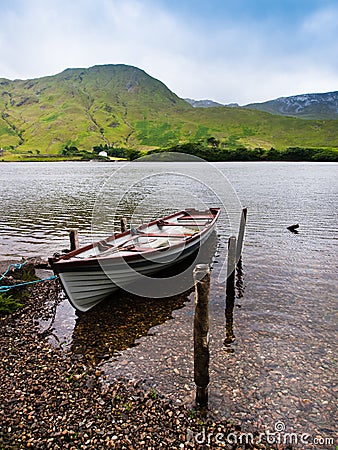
(122,106)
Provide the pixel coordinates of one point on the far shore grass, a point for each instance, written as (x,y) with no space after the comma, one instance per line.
(13,157)
(212,151)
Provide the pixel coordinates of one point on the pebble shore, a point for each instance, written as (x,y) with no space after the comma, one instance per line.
(51,399)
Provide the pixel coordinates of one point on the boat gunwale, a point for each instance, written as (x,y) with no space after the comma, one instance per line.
(65,261)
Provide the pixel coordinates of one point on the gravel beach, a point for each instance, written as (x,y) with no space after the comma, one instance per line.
(50,399)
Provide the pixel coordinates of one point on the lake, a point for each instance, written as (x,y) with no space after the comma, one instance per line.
(280,364)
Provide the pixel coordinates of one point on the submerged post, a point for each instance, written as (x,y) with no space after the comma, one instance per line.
(231,266)
(241,232)
(201,333)
(74,239)
(123,224)
(230,293)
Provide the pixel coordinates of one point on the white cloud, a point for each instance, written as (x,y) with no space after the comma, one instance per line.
(322,22)
(234,63)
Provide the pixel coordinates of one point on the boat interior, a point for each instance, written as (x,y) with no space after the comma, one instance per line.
(157,234)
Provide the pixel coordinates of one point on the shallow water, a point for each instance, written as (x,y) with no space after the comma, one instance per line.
(281,364)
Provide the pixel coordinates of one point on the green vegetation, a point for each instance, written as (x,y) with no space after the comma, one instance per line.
(111,151)
(149,133)
(153,393)
(125,112)
(212,150)
(8,304)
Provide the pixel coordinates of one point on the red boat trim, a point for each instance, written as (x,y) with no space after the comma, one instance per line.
(181,235)
(64,262)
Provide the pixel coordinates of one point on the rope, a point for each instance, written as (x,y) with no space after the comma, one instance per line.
(7,288)
(16,266)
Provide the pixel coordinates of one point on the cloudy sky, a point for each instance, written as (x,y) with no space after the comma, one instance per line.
(226,50)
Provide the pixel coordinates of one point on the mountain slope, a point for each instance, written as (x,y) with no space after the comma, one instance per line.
(202,103)
(208,103)
(308,106)
(81,107)
(122,106)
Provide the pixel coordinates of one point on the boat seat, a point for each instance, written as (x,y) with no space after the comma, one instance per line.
(104,245)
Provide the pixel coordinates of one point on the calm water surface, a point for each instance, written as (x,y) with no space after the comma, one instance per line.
(281,364)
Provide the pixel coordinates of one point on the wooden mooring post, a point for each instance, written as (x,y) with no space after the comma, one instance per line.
(234,264)
(231,266)
(241,231)
(201,333)
(74,239)
(230,293)
(123,225)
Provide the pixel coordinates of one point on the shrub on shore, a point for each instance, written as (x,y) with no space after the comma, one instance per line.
(8,304)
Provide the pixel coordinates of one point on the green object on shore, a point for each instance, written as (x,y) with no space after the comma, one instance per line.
(8,288)
(18,266)
(14,266)
(8,304)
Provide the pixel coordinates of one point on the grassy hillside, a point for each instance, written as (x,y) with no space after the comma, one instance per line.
(122,106)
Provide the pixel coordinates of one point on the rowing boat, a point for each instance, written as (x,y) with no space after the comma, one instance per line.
(91,273)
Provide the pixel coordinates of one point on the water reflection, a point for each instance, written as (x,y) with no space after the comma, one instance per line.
(235,289)
(117,323)
(285,338)
(112,326)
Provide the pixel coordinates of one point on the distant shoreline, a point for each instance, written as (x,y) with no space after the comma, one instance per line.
(158,161)
(195,151)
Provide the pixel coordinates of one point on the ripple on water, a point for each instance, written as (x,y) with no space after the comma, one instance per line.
(280,365)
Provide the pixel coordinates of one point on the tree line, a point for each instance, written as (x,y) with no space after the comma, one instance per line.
(211,150)
(215,153)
